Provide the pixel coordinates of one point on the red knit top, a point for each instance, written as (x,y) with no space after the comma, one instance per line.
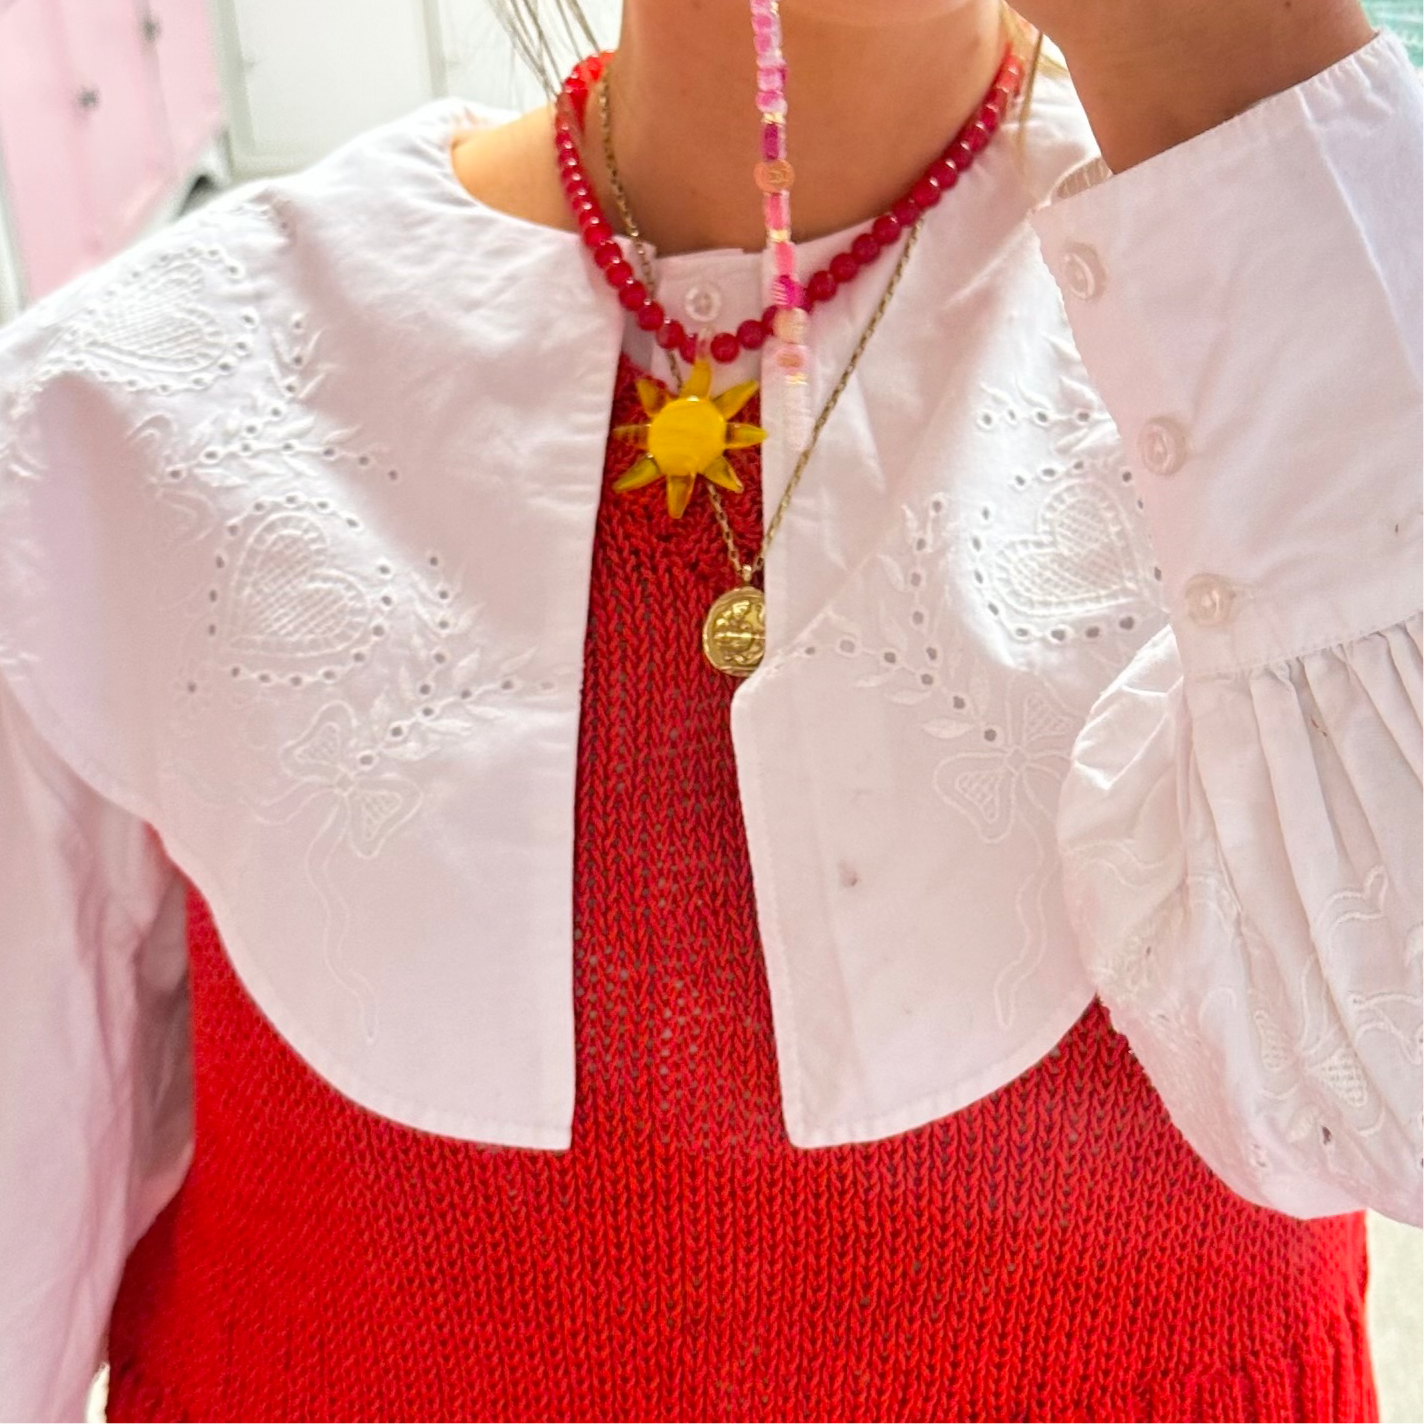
(1054,1251)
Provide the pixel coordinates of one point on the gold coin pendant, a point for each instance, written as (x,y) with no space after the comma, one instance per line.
(734,635)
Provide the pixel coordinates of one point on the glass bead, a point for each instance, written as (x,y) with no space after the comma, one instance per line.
(596,232)
(907,212)
(822,286)
(791,359)
(844,266)
(632,295)
(926,193)
(886,229)
(865,248)
(774,175)
(650,316)
(751,335)
(796,406)
(790,325)
(788,292)
(670,335)
(724,347)
(945,173)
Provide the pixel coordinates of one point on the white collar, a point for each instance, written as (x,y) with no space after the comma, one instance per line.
(400,905)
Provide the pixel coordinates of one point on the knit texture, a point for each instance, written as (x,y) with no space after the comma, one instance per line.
(1055,1251)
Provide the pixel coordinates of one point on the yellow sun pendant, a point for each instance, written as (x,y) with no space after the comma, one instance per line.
(688,435)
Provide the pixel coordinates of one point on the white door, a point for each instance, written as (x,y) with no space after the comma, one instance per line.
(480,63)
(305,75)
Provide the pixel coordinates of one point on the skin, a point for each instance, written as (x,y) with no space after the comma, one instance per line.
(1155,73)
(876,89)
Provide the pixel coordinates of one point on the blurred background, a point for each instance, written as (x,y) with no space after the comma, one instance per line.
(118,115)
(114,114)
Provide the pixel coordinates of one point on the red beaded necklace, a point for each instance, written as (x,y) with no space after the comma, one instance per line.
(938,178)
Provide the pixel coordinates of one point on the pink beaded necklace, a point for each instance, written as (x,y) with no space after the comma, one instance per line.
(774,177)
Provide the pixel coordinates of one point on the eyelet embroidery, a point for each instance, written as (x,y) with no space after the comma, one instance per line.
(1079,562)
(1084,569)
(286,610)
(150,328)
(162,322)
(1002,756)
(302,609)
(1309,1074)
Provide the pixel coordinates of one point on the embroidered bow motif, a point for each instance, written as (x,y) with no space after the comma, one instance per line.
(1026,759)
(370,804)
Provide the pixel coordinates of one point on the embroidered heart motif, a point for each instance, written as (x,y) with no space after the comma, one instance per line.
(1275,1049)
(1342,1075)
(289,600)
(1080,561)
(155,324)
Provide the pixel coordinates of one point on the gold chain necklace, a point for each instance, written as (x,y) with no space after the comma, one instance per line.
(734,631)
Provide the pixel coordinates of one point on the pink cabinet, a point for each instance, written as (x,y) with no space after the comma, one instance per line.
(114,122)
(40,125)
(180,38)
(104,108)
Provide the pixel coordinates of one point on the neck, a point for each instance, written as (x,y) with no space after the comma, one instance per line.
(873,101)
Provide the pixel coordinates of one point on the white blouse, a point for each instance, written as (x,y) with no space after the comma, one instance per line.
(1094,664)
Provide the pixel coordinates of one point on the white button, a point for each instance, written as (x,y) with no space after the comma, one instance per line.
(1082,271)
(1210,600)
(702,302)
(1163,446)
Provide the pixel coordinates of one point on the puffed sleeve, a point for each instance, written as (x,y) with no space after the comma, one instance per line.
(95,1058)
(95,1084)
(1240,829)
